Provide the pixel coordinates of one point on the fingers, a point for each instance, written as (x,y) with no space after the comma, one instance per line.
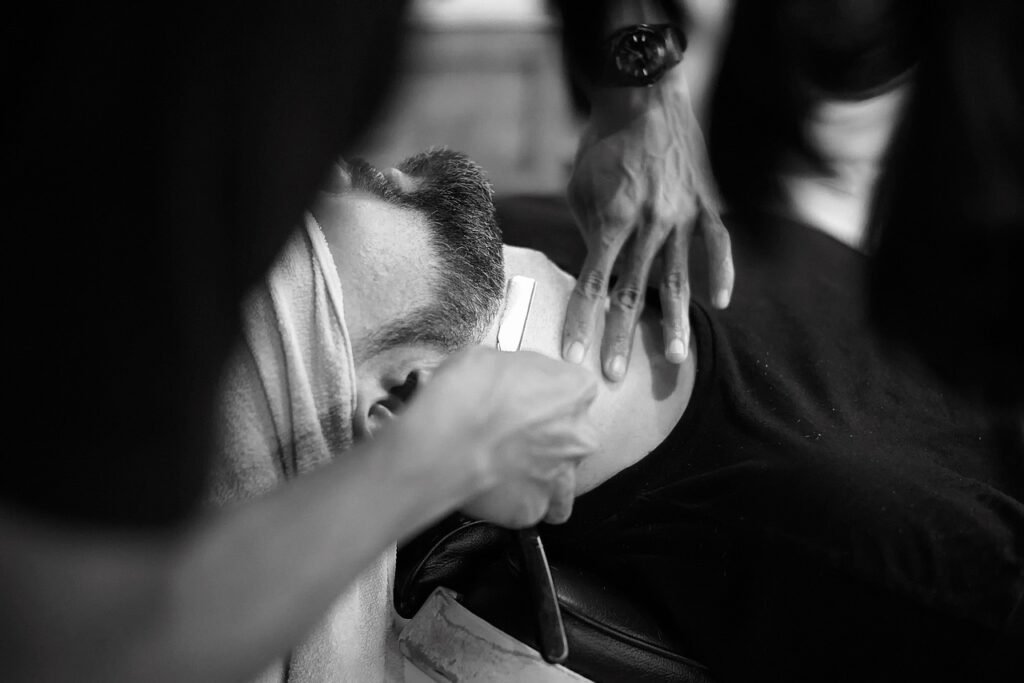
(563,481)
(721,273)
(626,303)
(675,295)
(587,302)
(550,446)
(563,495)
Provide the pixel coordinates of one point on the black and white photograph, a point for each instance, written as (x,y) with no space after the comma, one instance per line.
(535,341)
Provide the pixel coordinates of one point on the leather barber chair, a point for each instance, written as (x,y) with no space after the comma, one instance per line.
(610,638)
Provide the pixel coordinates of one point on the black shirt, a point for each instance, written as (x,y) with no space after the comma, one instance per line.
(825,509)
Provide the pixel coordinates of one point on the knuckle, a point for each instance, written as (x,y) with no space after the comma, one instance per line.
(591,284)
(664,215)
(628,297)
(618,212)
(676,284)
(680,204)
(611,236)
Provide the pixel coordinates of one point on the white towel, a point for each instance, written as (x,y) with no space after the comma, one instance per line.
(287,405)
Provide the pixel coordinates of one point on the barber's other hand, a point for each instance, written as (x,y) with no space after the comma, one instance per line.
(642,186)
(518,422)
(522,502)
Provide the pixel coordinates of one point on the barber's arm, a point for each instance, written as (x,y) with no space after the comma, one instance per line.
(219,598)
(641,185)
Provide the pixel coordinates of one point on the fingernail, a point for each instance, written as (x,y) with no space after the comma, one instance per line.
(575,354)
(722,299)
(617,368)
(676,351)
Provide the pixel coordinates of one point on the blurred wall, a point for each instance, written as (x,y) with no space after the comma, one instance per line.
(485,78)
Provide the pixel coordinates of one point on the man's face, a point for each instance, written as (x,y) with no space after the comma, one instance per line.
(387,269)
(394,279)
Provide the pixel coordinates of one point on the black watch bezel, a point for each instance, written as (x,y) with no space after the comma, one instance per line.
(641,54)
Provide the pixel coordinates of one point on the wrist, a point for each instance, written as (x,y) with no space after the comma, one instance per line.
(641,50)
(614,108)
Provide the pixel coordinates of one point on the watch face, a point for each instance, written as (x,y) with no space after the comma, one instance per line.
(641,55)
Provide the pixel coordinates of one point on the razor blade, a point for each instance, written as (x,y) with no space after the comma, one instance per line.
(518,299)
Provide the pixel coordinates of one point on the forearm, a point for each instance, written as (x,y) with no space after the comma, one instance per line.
(220,600)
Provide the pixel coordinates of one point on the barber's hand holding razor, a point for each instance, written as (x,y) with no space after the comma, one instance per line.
(522,418)
(641,188)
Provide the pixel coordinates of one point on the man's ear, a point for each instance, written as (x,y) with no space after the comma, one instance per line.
(399,389)
(402,391)
(388,380)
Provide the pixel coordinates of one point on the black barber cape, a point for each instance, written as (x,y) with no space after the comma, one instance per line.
(824,510)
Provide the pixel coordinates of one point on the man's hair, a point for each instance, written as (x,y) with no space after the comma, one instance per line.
(457,200)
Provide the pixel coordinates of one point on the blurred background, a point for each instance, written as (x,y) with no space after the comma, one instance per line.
(484,78)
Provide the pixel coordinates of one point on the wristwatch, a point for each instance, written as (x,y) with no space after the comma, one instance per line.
(639,55)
